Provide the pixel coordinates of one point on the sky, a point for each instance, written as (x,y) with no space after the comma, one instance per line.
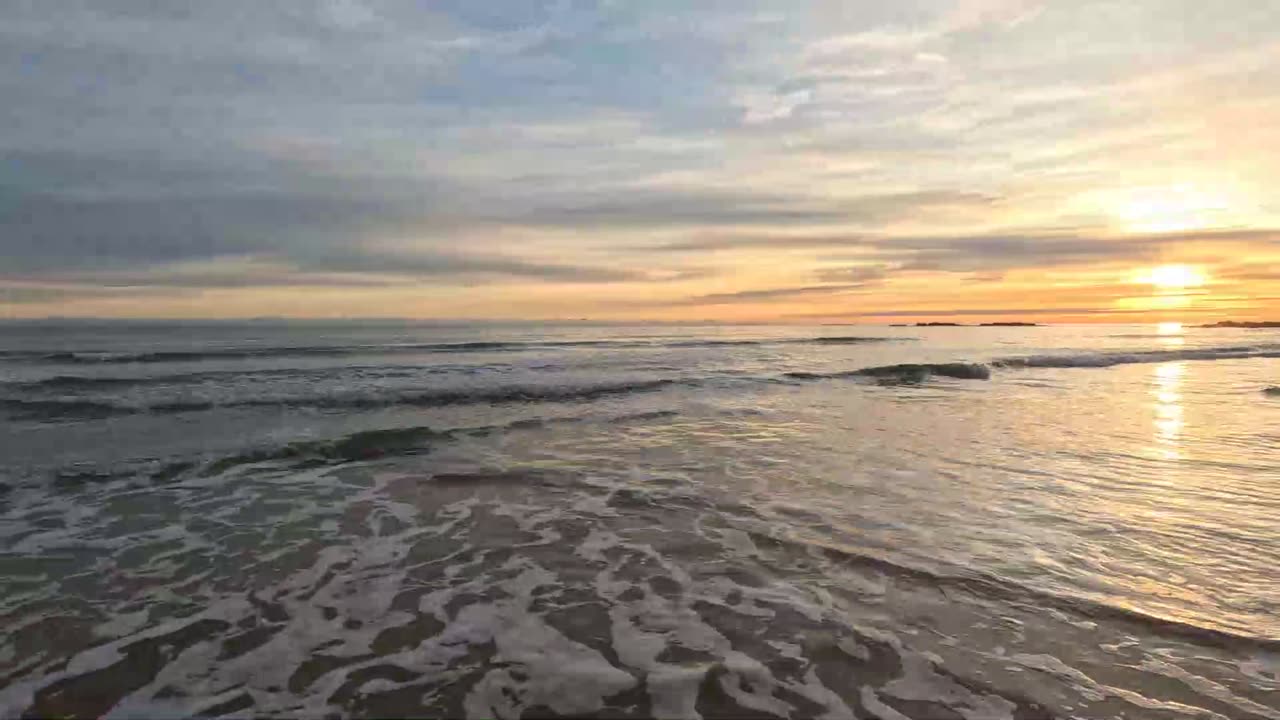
(725,160)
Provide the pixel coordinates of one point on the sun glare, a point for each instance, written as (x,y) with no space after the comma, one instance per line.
(1172,276)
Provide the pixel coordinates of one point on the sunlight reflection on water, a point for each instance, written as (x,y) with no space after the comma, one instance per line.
(1168,408)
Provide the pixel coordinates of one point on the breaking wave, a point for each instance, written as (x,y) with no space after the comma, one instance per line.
(69,409)
(72,408)
(98,357)
(47,410)
(105,382)
(173,356)
(905,373)
(359,446)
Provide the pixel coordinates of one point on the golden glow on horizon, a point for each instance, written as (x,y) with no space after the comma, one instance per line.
(1169,328)
(1172,277)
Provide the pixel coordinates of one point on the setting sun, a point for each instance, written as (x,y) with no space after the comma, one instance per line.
(1172,276)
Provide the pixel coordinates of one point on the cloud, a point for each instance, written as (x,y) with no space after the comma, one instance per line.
(986,312)
(860,274)
(966,254)
(369,143)
(339,268)
(981,252)
(36,294)
(1003,252)
(751,296)
(43,232)
(980,312)
(658,208)
(715,241)
(430,264)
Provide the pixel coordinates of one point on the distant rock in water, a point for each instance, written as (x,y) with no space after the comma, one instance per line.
(1239,324)
(1010,324)
(940,324)
(1272,391)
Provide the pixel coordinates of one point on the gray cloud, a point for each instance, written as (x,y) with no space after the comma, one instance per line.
(440,264)
(33,294)
(347,269)
(861,274)
(658,208)
(746,296)
(1003,252)
(968,253)
(46,233)
(62,213)
(714,241)
(117,281)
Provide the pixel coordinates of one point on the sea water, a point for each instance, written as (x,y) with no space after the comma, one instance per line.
(393,519)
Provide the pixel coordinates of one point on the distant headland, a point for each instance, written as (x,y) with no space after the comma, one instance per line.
(1239,324)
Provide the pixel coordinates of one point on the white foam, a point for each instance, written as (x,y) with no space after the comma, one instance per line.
(875,706)
(921,682)
(751,684)
(1207,687)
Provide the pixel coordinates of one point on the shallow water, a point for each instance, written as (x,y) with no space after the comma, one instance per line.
(677,522)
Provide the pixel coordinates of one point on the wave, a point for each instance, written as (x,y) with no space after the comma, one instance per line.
(360,446)
(80,382)
(1109,359)
(905,373)
(366,445)
(100,357)
(711,343)
(994,587)
(899,374)
(89,357)
(105,382)
(52,410)
(847,340)
(62,409)
(443,397)
(821,340)
(67,409)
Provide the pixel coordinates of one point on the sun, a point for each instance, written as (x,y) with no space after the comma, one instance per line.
(1172,276)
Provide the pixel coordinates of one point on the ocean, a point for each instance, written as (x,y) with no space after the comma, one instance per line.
(395,519)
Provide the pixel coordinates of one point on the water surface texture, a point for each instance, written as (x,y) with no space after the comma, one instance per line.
(681,522)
